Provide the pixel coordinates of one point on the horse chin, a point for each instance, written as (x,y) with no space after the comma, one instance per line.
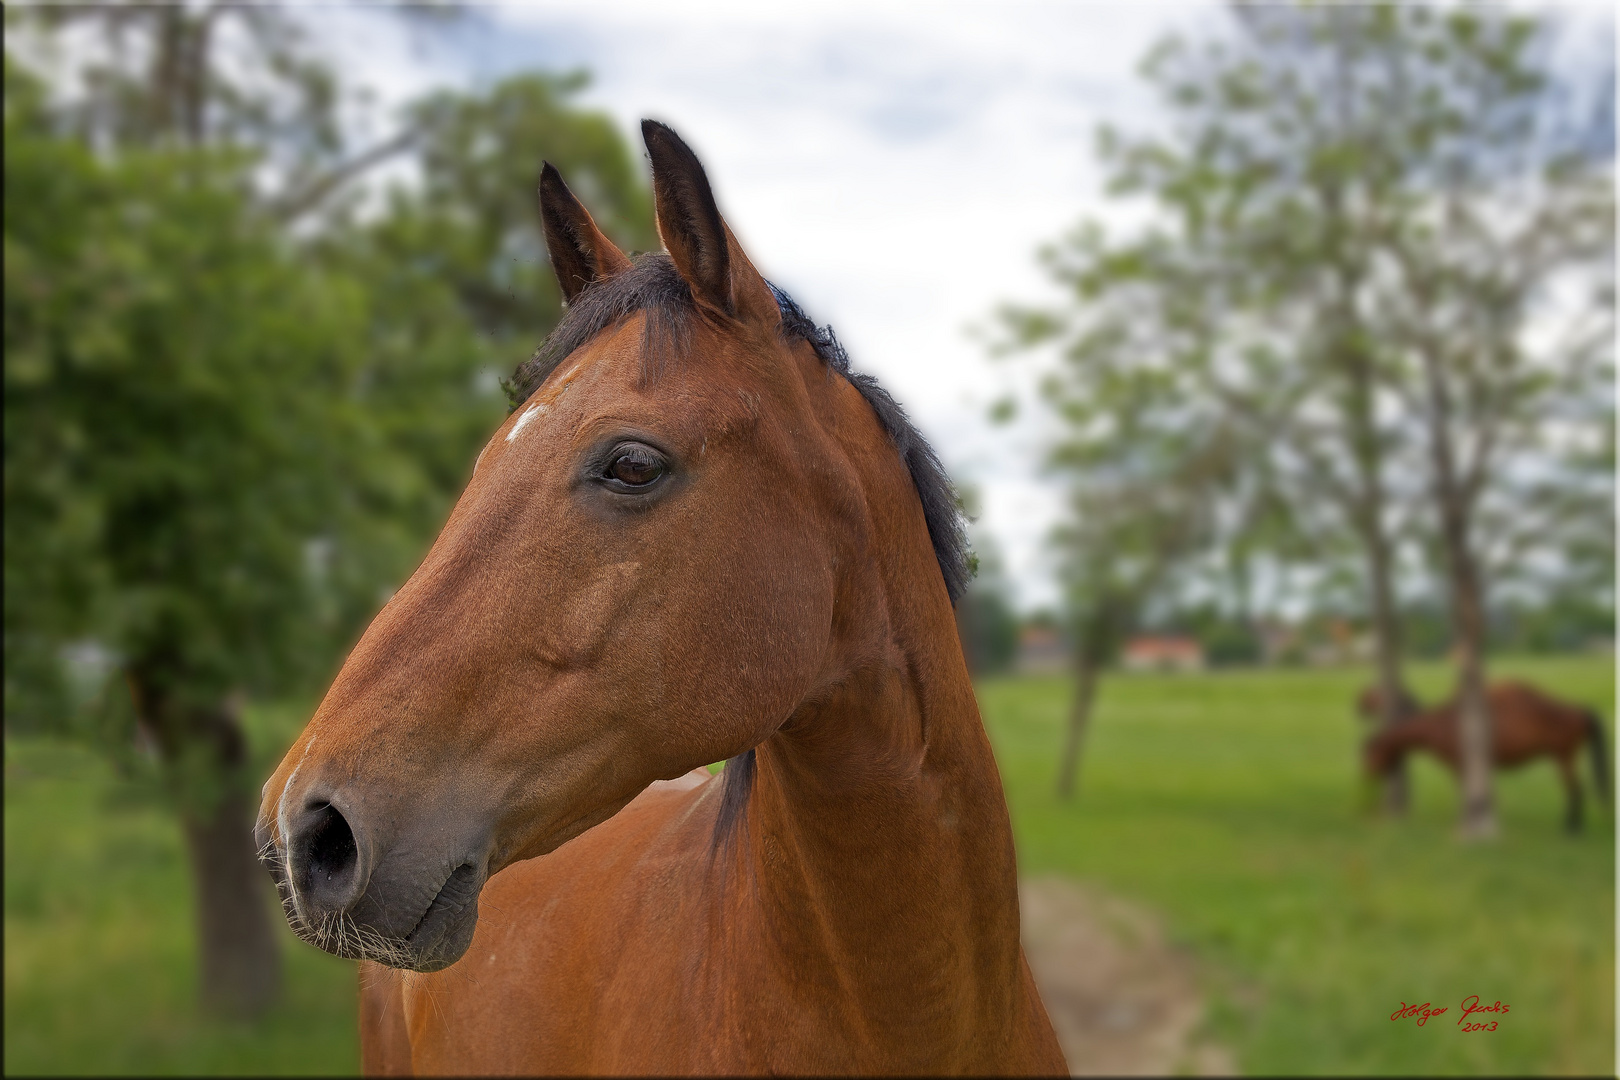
(440,937)
(446,929)
(449,945)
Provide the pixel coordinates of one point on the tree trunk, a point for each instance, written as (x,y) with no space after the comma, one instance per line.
(1366,502)
(1085,690)
(1467,612)
(241,959)
(1366,505)
(204,753)
(1395,702)
(1473,706)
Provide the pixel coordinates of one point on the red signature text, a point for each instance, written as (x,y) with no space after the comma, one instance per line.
(1470,1007)
(1422,1012)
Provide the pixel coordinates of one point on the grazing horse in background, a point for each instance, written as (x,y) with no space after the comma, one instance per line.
(698,537)
(1525,724)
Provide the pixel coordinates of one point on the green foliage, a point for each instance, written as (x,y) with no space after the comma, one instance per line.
(1231,803)
(1563,623)
(1227,640)
(985,619)
(227,440)
(179,419)
(1343,199)
(988,627)
(476,214)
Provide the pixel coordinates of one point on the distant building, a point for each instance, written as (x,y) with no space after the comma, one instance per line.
(1320,641)
(1163,652)
(1041,651)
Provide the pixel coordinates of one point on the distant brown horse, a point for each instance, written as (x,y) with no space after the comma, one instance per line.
(699,536)
(1525,724)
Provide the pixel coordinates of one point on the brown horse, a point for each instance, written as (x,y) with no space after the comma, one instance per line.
(1525,724)
(699,536)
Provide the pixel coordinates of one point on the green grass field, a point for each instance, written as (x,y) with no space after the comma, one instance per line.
(100,959)
(1228,802)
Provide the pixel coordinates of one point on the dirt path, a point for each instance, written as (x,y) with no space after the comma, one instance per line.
(1124,1002)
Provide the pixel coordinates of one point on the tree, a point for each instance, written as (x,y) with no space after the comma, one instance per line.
(1365,211)
(1274,166)
(1151,467)
(176,390)
(1505,214)
(226,437)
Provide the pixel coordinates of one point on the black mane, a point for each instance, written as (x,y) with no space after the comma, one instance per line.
(654,287)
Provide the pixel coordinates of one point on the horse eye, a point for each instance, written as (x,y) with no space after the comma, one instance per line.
(635,466)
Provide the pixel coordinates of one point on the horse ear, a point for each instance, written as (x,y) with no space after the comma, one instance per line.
(702,247)
(580,252)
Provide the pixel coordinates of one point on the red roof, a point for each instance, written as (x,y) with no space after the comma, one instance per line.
(1145,648)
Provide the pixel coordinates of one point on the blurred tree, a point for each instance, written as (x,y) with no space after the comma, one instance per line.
(1564,622)
(1151,467)
(985,619)
(1361,215)
(226,439)
(1505,223)
(176,394)
(471,223)
(988,627)
(203,74)
(1260,182)
(1145,497)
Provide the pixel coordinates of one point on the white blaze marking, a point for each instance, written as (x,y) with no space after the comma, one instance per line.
(528,414)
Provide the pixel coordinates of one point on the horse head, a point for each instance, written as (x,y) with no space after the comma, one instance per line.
(662,552)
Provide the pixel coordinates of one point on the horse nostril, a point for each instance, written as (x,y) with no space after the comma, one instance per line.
(331,847)
(326,858)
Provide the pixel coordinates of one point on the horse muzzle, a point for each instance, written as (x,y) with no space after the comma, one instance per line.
(346,890)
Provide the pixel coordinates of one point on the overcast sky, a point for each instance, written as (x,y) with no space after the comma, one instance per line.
(894,170)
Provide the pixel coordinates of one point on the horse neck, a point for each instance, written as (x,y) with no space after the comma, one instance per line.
(877,810)
(883,778)
(880,857)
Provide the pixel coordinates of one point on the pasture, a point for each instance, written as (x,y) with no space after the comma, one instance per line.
(1228,802)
